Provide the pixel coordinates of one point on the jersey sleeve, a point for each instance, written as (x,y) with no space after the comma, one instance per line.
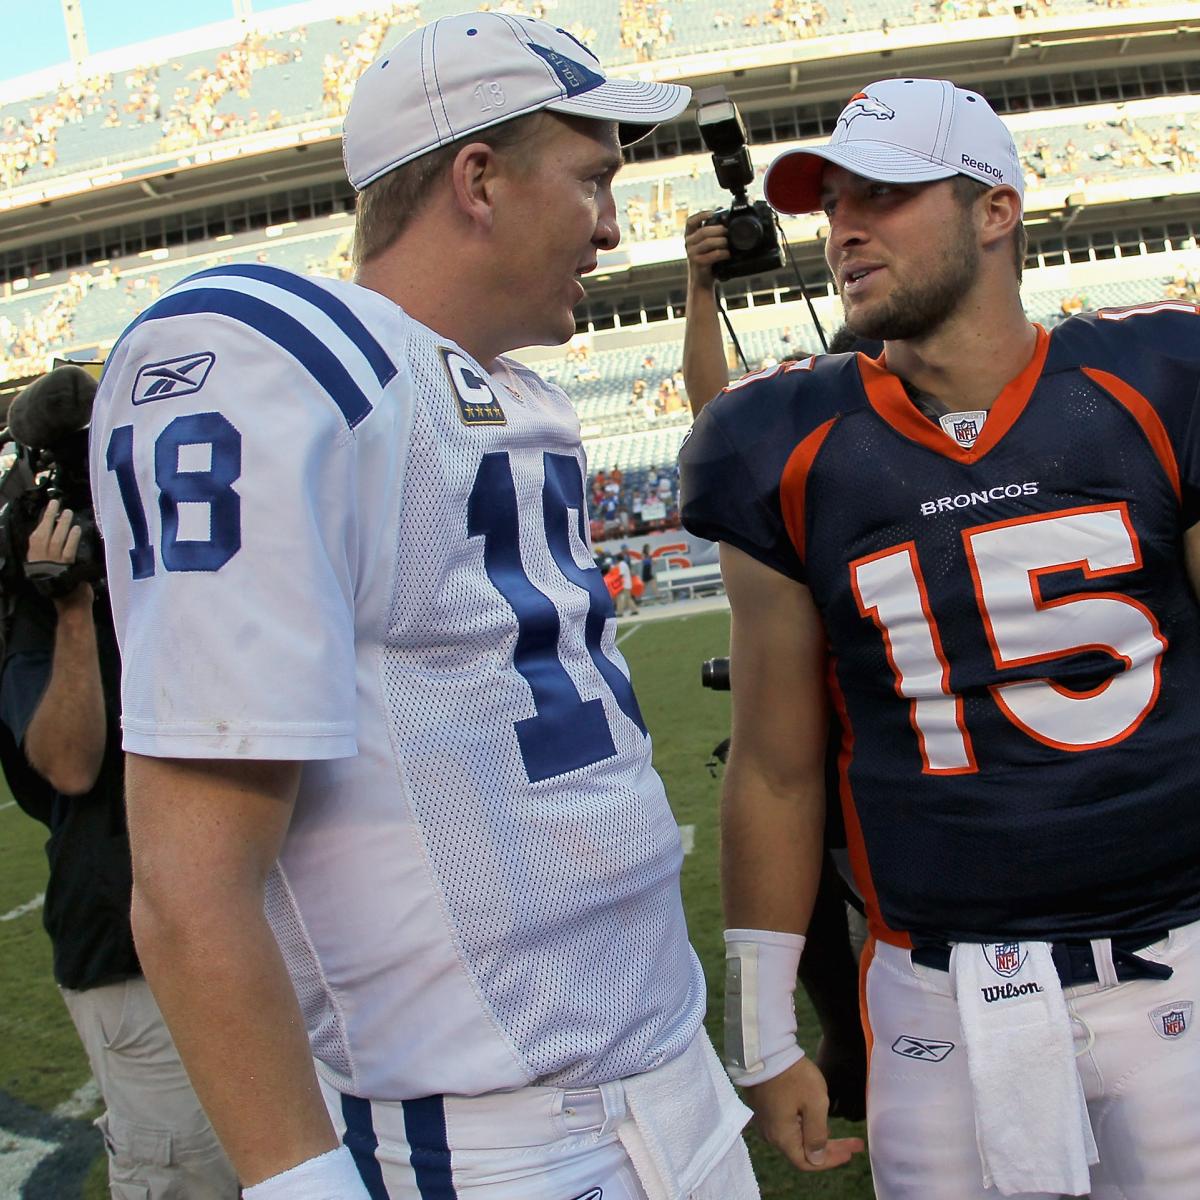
(731,469)
(224,470)
(1153,351)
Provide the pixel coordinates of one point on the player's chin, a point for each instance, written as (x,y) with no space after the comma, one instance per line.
(559,328)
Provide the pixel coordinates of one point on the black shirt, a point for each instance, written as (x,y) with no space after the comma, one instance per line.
(87,897)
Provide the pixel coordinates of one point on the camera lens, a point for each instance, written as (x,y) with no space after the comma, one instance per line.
(715,674)
(745,232)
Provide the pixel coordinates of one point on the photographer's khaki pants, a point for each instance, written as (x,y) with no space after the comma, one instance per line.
(160,1144)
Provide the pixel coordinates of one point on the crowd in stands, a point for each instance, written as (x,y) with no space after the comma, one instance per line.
(340,70)
(196,113)
(621,504)
(198,108)
(646,29)
(1185,285)
(1121,143)
(30,140)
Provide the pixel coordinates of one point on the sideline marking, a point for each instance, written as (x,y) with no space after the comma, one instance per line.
(10,804)
(19,1161)
(28,907)
(687,835)
(629,633)
(80,1102)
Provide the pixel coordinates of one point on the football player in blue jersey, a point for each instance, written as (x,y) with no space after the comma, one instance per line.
(979,553)
(371,687)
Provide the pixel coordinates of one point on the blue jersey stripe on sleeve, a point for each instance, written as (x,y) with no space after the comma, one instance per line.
(429,1153)
(362,1141)
(284,330)
(341,314)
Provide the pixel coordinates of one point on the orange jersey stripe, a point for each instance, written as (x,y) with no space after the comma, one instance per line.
(1143,413)
(793,484)
(854,838)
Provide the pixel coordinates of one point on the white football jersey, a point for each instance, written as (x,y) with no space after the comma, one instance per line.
(332,536)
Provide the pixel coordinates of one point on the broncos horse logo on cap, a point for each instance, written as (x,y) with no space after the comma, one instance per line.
(862,105)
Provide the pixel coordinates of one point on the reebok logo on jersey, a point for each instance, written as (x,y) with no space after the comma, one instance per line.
(1172,1020)
(1007,491)
(922,1049)
(594,1194)
(477,403)
(173,377)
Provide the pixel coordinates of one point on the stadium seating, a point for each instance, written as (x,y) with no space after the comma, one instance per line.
(173,103)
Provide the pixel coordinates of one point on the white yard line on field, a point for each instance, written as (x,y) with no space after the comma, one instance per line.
(80,1102)
(624,637)
(21,909)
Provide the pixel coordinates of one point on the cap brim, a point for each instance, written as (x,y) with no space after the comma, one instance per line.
(636,105)
(793,181)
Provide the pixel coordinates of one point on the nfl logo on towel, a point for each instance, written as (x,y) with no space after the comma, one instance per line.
(1171,1021)
(1005,958)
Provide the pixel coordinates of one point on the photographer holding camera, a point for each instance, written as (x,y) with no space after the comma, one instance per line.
(60,706)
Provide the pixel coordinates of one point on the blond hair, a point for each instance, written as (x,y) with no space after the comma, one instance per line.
(386,207)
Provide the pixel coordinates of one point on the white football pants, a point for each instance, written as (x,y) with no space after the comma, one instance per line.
(539,1143)
(1137,1054)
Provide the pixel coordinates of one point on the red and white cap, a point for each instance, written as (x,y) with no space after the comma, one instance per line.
(902,131)
(461,74)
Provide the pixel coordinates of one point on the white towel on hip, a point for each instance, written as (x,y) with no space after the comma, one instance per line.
(1031,1118)
(684,1119)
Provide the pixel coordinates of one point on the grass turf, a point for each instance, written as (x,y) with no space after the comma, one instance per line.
(41,1062)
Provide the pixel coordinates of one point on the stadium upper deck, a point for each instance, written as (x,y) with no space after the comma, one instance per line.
(156,103)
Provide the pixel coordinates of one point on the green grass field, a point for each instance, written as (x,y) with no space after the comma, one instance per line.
(42,1066)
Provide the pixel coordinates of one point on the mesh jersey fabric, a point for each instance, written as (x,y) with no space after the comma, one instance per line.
(1012,630)
(479,885)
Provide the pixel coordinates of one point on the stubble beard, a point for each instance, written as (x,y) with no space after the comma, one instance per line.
(915,310)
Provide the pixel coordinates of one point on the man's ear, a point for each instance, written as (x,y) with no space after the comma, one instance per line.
(473,178)
(1001,214)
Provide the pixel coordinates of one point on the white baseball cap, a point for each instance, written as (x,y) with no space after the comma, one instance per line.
(461,74)
(902,131)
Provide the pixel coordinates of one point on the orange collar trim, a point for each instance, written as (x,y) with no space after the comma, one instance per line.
(887,397)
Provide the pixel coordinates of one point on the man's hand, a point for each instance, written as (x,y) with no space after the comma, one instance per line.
(705,245)
(843,1062)
(52,549)
(792,1113)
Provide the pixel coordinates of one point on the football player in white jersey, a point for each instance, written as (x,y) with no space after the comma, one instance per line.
(371,681)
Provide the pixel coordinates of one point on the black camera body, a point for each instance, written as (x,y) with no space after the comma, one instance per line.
(48,433)
(753,239)
(35,478)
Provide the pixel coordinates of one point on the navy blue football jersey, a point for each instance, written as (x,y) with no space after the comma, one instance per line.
(1015,650)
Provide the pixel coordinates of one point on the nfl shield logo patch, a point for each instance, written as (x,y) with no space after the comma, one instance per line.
(965,432)
(1172,1020)
(963,427)
(1005,958)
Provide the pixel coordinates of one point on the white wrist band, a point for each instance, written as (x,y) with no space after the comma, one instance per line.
(760,1011)
(329,1176)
